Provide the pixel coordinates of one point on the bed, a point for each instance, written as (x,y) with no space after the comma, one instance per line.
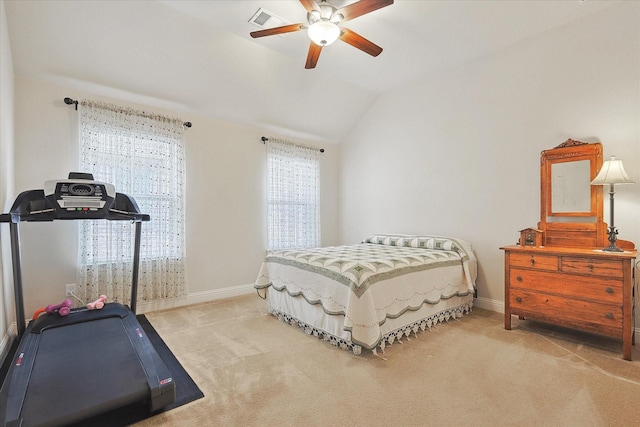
(371,294)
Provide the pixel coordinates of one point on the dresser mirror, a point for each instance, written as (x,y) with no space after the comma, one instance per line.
(570,189)
(571,208)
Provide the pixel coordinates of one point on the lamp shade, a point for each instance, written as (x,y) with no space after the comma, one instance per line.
(612,172)
(323,33)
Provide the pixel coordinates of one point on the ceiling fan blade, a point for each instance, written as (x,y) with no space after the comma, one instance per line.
(313,55)
(362,7)
(277,30)
(359,42)
(310,5)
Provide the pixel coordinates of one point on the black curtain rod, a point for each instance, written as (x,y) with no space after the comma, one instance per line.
(70,101)
(265,139)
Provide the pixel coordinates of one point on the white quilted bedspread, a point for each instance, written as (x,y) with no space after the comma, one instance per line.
(372,281)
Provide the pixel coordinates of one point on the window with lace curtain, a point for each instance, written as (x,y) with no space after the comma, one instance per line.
(142,155)
(293,196)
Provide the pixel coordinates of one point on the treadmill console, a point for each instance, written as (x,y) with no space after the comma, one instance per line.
(79,197)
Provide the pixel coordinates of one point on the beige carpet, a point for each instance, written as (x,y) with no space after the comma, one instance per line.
(256,371)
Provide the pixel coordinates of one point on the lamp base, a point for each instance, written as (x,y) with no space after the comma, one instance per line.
(612,248)
(613,238)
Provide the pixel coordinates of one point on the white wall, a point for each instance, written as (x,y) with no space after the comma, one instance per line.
(455,154)
(7,315)
(458,153)
(226,225)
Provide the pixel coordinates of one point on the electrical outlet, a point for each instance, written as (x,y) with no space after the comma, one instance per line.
(70,289)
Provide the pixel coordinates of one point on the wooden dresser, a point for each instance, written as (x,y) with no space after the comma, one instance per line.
(587,289)
(561,272)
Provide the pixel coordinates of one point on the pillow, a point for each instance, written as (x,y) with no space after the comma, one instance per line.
(427,242)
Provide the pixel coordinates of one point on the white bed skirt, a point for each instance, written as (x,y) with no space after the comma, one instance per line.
(330,327)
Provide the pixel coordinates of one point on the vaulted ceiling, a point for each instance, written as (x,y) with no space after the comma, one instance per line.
(197,56)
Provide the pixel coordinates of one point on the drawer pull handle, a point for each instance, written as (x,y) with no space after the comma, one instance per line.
(609,290)
(518,299)
(533,262)
(519,278)
(590,268)
(608,315)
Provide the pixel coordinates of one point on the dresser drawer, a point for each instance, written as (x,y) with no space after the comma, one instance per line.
(576,286)
(592,266)
(598,317)
(535,261)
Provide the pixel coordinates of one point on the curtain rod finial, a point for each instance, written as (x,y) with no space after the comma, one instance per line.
(70,101)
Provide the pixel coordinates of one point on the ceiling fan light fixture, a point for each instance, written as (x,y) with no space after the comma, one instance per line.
(323,33)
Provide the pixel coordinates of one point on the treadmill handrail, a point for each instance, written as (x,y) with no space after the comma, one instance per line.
(33,206)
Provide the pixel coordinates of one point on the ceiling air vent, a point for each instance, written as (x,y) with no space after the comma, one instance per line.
(265,19)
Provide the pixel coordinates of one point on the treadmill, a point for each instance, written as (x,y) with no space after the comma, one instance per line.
(72,368)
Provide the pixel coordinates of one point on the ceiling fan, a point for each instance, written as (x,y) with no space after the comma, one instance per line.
(324,27)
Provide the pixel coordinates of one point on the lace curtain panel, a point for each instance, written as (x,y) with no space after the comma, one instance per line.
(143,156)
(293,196)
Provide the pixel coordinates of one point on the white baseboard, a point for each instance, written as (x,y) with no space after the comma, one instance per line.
(489,304)
(195,298)
(7,339)
(216,294)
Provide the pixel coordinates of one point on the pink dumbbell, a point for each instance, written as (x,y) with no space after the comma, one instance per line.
(97,304)
(63,308)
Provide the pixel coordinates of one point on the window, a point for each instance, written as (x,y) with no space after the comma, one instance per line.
(142,155)
(293,197)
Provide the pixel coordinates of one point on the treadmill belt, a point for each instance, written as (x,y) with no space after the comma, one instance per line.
(81,370)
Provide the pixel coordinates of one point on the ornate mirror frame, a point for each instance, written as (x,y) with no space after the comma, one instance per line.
(580,228)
